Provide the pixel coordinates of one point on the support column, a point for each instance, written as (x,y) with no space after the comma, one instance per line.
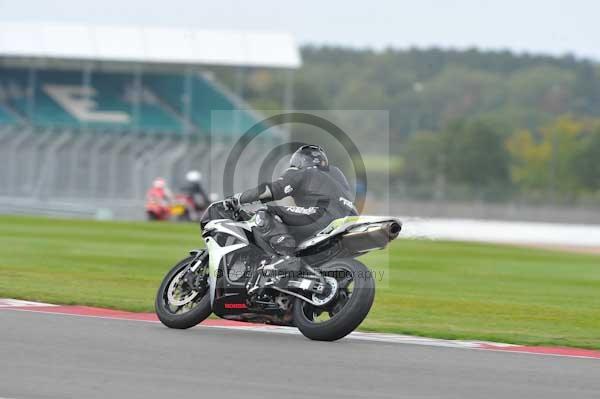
(187,101)
(31,84)
(137,97)
(86,82)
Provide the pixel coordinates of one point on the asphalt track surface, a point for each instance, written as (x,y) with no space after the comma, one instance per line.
(60,356)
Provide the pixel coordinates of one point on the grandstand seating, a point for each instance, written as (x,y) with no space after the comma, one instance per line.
(13,90)
(207,97)
(5,116)
(61,100)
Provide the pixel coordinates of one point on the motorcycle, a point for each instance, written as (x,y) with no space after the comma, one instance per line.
(157,210)
(182,209)
(326,299)
(187,208)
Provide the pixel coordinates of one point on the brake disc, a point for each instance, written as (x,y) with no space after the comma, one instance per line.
(175,284)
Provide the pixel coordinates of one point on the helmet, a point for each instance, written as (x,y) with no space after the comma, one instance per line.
(309,155)
(159,182)
(193,176)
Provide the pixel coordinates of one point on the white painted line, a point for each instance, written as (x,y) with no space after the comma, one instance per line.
(371,337)
(11,303)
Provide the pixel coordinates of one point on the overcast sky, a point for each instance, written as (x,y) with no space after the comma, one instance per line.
(549,26)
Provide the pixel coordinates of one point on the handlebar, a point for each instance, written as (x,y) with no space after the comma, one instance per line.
(236,210)
(231,204)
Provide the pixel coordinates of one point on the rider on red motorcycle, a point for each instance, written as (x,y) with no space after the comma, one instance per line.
(158,200)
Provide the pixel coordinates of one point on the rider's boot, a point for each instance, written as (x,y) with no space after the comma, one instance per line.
(273,237)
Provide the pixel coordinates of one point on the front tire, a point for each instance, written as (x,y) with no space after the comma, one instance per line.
(196,310)
(349,314)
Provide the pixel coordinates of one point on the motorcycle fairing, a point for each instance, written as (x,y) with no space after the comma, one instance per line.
(217,252)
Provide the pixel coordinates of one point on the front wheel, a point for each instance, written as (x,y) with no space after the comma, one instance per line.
(183,301)
(344,313)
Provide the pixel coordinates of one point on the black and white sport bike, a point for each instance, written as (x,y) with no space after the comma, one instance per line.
(233,278)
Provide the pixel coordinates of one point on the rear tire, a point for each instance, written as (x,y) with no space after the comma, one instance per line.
(353,312)
(200,311)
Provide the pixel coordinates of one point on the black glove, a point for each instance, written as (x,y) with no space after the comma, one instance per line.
(232,203)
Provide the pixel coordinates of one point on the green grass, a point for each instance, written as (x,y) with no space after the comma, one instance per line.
(436,289)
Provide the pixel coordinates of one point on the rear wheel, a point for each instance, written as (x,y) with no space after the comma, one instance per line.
(338,317)
(183,300)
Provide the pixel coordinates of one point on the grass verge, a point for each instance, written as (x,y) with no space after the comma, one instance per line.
(435,289)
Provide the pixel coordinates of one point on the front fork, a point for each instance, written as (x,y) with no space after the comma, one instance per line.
(191,278)
(199,256)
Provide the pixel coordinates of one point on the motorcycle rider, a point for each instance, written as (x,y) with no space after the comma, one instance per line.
(160,191)
(321,194)
(159,198)
(193,188)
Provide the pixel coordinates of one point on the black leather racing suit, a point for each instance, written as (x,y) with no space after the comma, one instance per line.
(321,196)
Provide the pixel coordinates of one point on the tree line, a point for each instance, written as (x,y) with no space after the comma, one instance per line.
(558,162)
(490,125)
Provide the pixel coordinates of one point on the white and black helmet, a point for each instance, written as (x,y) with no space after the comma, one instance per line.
(193,176)
(309,155)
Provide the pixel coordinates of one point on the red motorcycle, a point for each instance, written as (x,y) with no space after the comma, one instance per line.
(157,209)
(185,209)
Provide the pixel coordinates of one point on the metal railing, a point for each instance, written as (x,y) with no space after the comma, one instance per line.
(47,164)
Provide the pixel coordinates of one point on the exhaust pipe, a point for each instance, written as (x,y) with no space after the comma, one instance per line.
(393,229)
(375,238)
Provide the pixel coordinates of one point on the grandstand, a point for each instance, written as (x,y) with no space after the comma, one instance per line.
(93,113)
(111,101)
